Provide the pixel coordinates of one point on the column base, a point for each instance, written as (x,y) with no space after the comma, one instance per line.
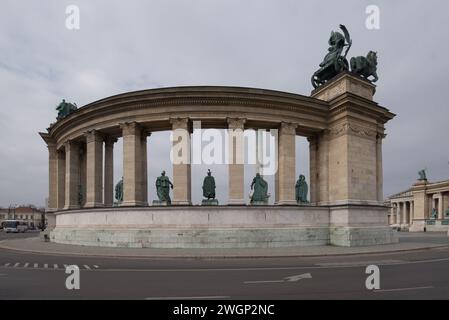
(94,205)
(417,226)
(181,203)
(286,203)
(236,202)
(133,204)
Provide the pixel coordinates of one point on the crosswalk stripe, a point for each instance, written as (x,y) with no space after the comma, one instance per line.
(65,266)
(36,265)
(95,266)
(55,266)
(46,266)
(26,265)
(16,265)
(7,264)
(87,267)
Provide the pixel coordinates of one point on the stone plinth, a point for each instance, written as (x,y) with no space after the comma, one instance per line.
(159,203)
(209,202)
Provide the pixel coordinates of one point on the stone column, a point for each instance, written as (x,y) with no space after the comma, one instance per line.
(379,169)
(132,165)
(180,156)
(286,164)
(144,167)
(236,161)
(72,176)
(52,176)
(313,168)
(109,171)
(322,171)
(61,172)
(440,206)
(421,206)
(94,170)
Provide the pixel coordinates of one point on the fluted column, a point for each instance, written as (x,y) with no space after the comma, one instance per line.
(286,164)
(132,165)
(94,169)
(236,161)
(379,168)
(181,161)
(72,176)
(109,171)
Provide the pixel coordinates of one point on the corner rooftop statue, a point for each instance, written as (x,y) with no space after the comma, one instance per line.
(345,128)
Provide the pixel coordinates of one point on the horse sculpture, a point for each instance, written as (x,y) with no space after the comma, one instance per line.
(365,67)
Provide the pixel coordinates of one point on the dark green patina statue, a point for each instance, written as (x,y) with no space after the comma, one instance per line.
(422,175)
(209,186)
(365,67)
(260,193)
(434,214)
(163,185)
(119,191)
(335,61)
(209,190)
(301,190)
(447,213)
(64,109)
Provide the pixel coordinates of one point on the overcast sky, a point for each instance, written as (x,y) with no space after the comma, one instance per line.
(131,45)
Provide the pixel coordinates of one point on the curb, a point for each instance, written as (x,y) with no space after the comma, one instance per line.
(208,257)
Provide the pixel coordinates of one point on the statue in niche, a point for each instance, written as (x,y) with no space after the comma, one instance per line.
(119,191)
(260,190)
(209,189)
(163,185)
(434,214)
(301,190)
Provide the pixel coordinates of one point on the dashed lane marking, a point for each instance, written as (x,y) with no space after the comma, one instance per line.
(26,265)
(87,267)
(54,266)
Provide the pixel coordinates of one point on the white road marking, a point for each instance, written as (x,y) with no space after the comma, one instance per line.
(86,267)
(26,265)
(6,264)
(46,266)
(187,298)
(403,289)
(16,265)
(286,279)
(95,266)
(36,265)
(65,266)
(55,266)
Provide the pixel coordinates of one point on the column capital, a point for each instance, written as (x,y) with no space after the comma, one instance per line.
(93,136)
(179,123)
(130,128)
(288,128)
(236,123)
(109,141)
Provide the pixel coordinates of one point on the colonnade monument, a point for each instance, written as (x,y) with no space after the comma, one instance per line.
(342,205)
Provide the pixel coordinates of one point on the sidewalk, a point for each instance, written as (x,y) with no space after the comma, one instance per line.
(407,242)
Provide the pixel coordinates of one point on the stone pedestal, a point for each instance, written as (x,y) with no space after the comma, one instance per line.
(209,202)
(159,203)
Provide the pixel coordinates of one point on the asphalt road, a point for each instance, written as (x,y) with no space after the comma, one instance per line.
(412,275)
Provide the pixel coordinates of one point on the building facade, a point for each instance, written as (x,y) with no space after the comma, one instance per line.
(423,207)
(29,214)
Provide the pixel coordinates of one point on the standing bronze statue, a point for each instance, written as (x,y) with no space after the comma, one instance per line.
(119,192)
(163,185)
(209,189)
(260,193)
(301,189)
(422,175)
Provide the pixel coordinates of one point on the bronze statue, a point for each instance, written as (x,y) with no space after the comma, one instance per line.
(422,175)
(64,109)
(260,187)
(163,185)
(209,186)
(365,67)
(119,191)
(301,190)
(434,214)
(335,61)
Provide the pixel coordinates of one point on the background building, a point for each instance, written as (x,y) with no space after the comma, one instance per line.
(422,207)
(30,214)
